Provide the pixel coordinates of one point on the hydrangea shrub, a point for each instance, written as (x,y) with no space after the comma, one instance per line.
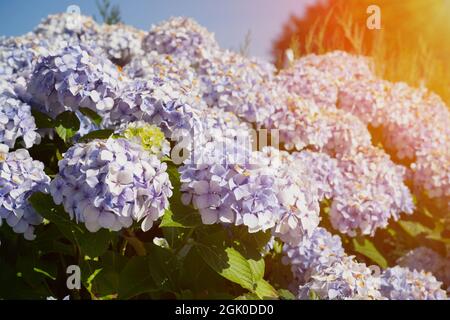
(167,167)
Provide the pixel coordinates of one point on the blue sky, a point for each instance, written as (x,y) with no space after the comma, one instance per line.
(230,20)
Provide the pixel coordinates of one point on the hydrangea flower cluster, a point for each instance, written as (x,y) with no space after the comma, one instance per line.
(343,279)
(425,259)
(320,77)
(149,136)
(324,171)
(298,194)
(68,29)
(180,37)
(16,121)
(310,84)
(18,56)
(120,42)
(235,83)
(313,254)
(322,270)
(111,183)
(343,66)
(75,77)
(158,104)
(361,200)
(410,119)
(431,173)
(399,283)
(20,176)
(223,183)
(414,124)
(372,192)
(229,193)
(366,100)
(303,123)
(163,69)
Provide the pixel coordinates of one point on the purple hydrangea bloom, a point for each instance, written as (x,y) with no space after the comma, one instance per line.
(162,67)
(313,254)
(227,192)
(16,121)
(431,173)
(19,55)
(423,258)
(158,104)
(372,191)
(399,283)
(415,126)
(303,123)
(162,70)
(236,83)
(20,176)
(410,119)
(110,183)
(310,84)
(343,279)
(15,118)
(225,181)
(297,193)
(322,170)
(320,77)
(75,77)
(120,42)
(68,29)
(180,37)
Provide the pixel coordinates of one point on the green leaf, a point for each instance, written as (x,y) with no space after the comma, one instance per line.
(44,205)
(414,229)
(91,244)
(91,114)
(42,120)
(250,244)
(185,219)
(265,291)
(66,125)
(368,249)
(163,268)
(257,268)
(97,134)
(179,215)
(136,278)
(247,296)
(95,244)
(104,284)
(230,264)
(285,294)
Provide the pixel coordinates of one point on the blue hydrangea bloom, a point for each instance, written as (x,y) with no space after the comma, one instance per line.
(20,176)
(180,37)
(344,279)
(111,183)
(313,254)
(75,77)
(16,120)
(399,283)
